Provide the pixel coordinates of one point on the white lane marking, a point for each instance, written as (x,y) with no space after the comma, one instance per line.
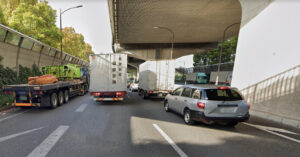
(81,108)
(2,114)
(170,141)
(18,134)
(271,132)
(43,149)
(14,115)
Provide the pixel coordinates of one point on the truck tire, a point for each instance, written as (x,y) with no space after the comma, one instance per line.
(53,100)
(66,96)
(144,96)
(60,98)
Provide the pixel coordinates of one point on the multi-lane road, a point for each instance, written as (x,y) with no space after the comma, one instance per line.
(135,127)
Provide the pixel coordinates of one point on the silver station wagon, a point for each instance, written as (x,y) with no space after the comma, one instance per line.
(208,104)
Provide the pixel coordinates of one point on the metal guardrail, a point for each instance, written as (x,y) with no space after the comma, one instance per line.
(13,37)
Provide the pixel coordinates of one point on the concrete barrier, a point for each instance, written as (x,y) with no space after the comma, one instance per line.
(277,98)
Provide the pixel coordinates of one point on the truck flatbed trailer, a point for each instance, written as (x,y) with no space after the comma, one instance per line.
(48,95)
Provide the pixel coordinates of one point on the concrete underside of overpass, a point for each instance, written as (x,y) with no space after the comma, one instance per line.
(198,26)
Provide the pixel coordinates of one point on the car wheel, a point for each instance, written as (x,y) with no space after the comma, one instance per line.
(188,117)
(53,100)
(66,96)
(166,106)
(232,124)
(60,98)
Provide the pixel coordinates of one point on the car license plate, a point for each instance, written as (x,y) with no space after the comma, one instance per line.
(228,109)
(159,94)
(23,98)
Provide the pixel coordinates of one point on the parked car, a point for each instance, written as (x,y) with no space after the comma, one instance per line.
(134,86)
(208,104)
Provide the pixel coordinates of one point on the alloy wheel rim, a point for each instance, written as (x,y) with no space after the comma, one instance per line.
(61,98)
(66,96)
(166,106)
(187,117)
(54,101)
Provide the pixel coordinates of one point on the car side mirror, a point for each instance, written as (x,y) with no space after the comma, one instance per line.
(171,92)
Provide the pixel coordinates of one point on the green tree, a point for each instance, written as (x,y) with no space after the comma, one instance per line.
(36,20)
(2,18)
(212,57)
(8,6)
(73,42)
(87,51)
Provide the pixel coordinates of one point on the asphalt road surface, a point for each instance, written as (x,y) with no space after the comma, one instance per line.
(134,127)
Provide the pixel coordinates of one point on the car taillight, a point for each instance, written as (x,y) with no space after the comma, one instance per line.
(150,92)
(223,88)
(248,106)
(200,105)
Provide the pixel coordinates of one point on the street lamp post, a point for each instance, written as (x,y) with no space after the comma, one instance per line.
(60,28)
(173,36)
(220,57)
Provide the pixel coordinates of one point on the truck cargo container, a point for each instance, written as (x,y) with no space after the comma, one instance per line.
(225,77)
(156,78)
(108,74)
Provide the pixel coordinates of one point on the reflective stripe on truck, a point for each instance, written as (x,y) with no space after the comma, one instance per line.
(108,99)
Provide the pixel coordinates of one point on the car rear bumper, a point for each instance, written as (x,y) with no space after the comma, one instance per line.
(199,116)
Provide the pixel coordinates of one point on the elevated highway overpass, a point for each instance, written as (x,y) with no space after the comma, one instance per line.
(267,47)
(197,26)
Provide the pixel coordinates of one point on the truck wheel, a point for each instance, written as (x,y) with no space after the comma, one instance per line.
(60,98)
(66,96)
(53,100)
(144,95)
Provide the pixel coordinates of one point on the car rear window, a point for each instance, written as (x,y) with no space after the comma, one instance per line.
(222,94)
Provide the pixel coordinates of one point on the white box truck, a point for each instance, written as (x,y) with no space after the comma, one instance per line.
(156,78)
(225,77)
(108,74)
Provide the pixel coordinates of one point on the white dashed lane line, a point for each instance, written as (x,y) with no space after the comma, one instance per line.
(81,108)
(2,139)
(170,141)
(14,115)
(44,148)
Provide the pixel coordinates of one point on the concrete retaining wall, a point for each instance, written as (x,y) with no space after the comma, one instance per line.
(267,62)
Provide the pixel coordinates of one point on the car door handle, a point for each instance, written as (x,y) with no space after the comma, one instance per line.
(185,100)
(175,98)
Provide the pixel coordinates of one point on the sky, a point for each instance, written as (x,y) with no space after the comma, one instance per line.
(92,20)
